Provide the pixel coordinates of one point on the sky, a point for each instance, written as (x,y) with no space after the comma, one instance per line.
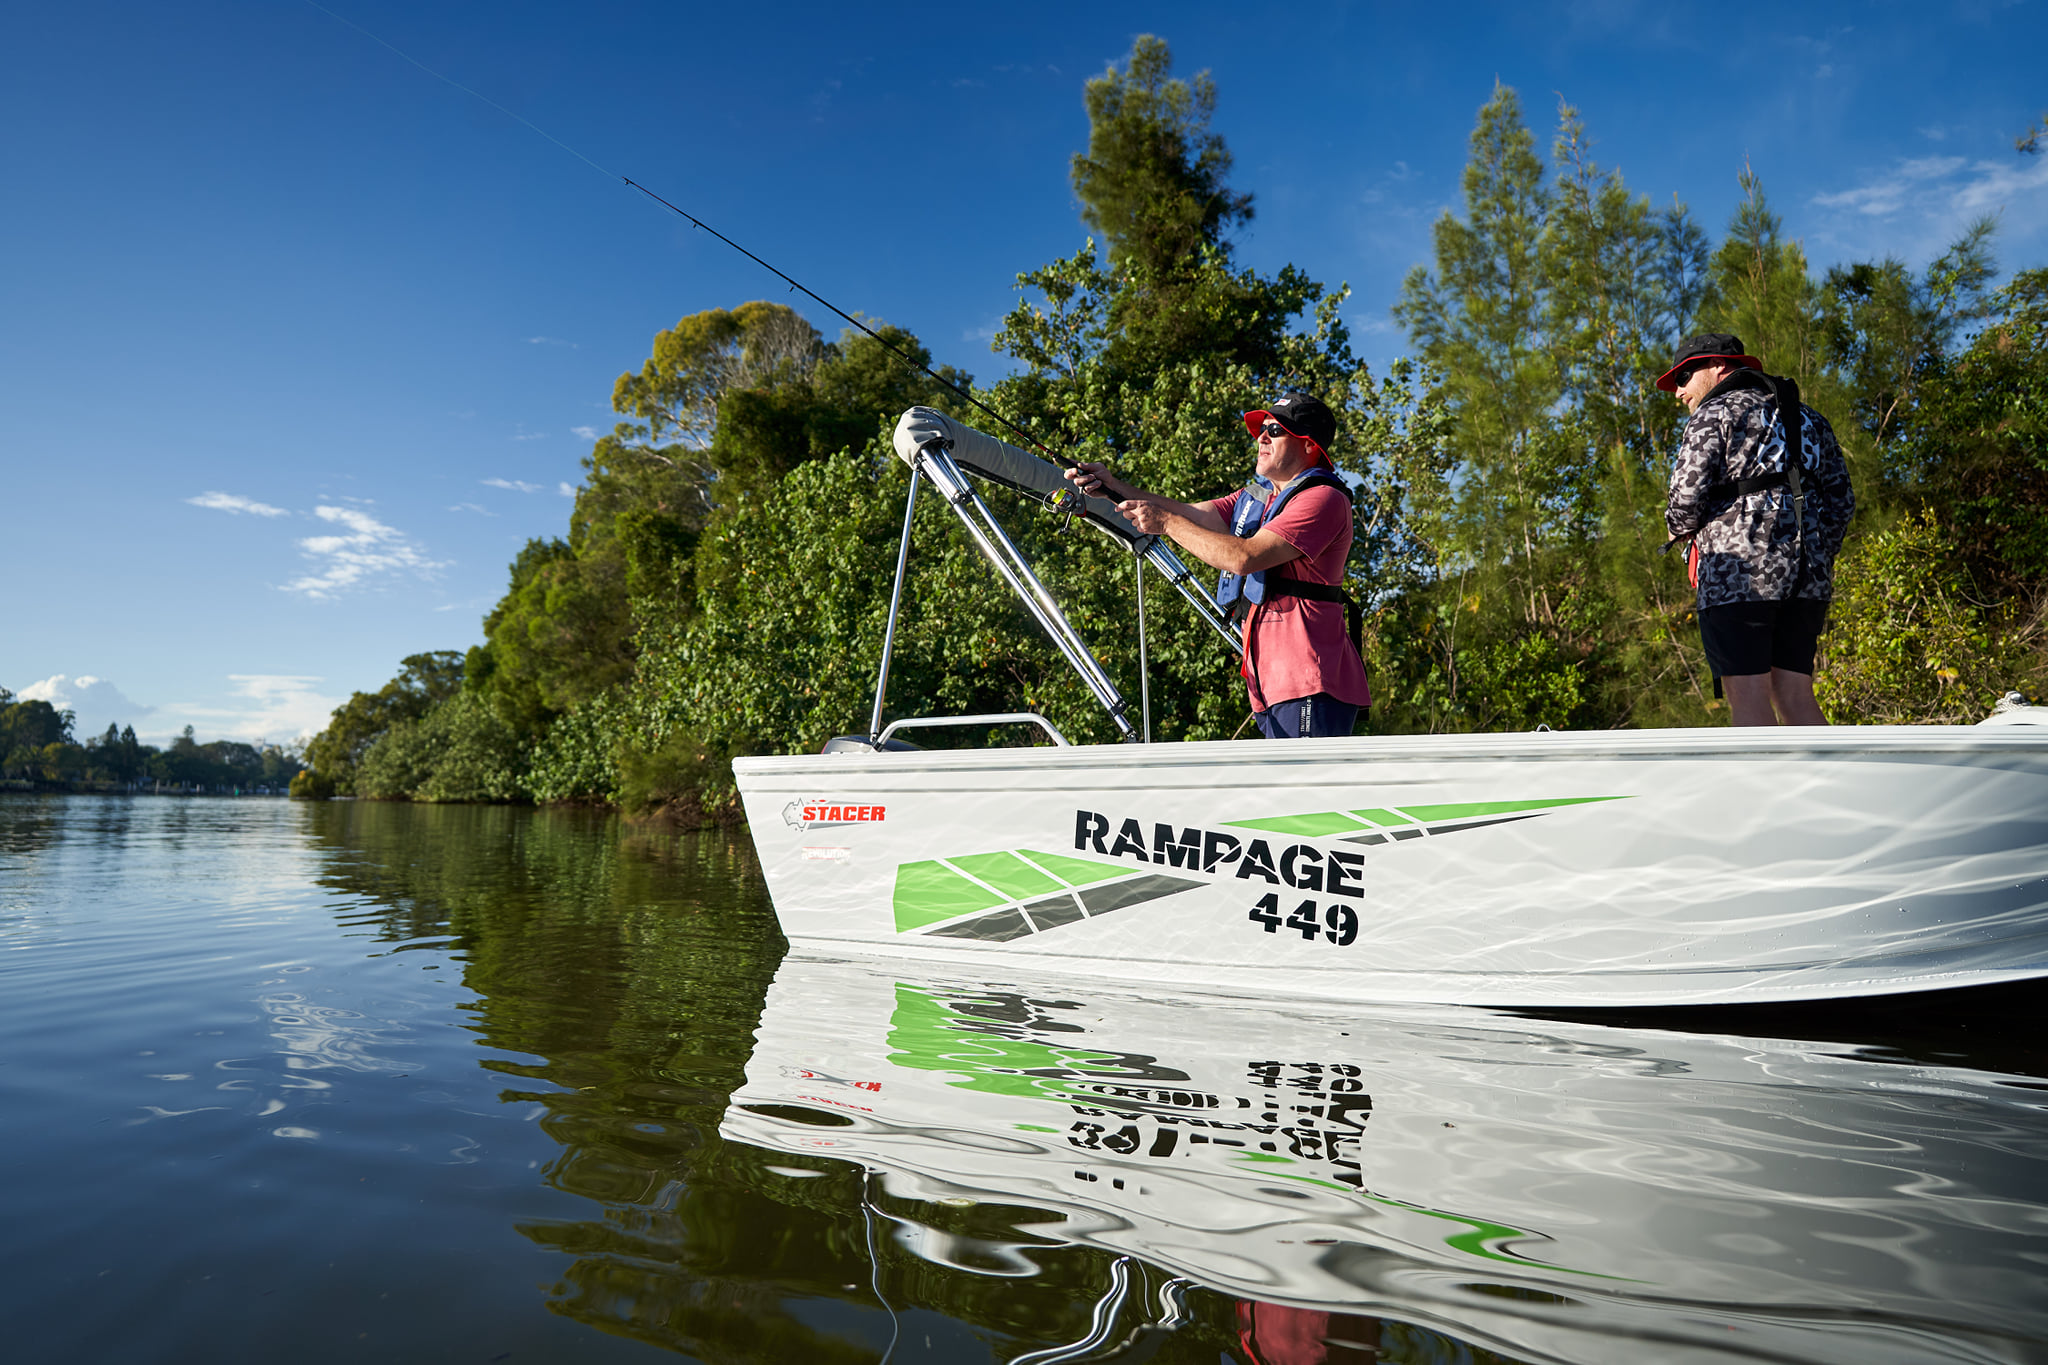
(299,342)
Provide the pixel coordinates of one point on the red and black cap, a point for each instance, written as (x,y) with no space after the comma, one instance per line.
(1711,346)
(1299,414)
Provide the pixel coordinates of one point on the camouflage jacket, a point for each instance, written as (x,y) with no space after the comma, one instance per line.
(1749,549)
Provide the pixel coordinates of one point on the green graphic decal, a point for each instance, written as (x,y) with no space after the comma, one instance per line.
(930,891)
(935,890)
(1007,873)
(1028,891)
(1308,826)
(1339,822)
(1075,871)
(1475,808)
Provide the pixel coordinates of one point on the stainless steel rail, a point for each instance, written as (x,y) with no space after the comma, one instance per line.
(997,718)
(988,534)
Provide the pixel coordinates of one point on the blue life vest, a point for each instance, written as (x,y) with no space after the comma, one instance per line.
(1238,593)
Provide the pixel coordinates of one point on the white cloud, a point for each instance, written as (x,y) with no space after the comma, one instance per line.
(567,490)
(1918,205)
(587,433)
(552,341)
(234,502)
(368,550)
(1909,180)
(472,507)
(266,706)
(529,435)
(515,485)
(96,702)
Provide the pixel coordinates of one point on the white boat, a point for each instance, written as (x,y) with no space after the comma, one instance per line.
(1553,1191)
(1568,869)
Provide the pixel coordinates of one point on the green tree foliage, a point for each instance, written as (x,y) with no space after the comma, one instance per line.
(1551,306)
(1882,328)
(33,736)
(37,748)
(729,402)
(1975,450)
(1153,181)
(723,585)
(793,589)
(359,722)
(1913,642)
(1555,301)
(461,750)
(1758,287)
(561,633)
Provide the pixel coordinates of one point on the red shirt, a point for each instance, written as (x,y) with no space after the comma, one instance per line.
(1294,647)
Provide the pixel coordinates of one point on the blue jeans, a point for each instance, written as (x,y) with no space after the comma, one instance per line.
(1319,717)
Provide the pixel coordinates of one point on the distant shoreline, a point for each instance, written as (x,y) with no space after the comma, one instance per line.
(31,787)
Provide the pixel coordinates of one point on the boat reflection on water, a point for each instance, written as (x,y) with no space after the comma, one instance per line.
(1555,1191)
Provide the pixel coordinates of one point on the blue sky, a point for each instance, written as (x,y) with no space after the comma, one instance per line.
(300,344)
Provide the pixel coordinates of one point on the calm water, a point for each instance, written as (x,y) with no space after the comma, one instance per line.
(363,1082)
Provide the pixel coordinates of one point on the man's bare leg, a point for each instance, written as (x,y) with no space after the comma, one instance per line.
(1793,693)
(1749,699)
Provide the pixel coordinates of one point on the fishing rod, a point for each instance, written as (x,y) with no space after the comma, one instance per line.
(1053,501)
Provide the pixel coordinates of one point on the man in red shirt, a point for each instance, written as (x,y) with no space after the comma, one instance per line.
(1281,543)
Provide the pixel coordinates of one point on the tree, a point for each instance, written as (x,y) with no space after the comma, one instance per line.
(1142,362)
(1623,281)
(423,680)
(1975,451)
(28,732)
(1153,179)
(1154,184)
(1500,647)
(461,750)
(1882,328)
(677,393)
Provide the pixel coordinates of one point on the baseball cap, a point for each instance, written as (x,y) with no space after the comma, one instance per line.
(1299,414)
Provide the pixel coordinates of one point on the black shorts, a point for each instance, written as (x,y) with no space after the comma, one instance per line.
(1745,638)
(1319,717)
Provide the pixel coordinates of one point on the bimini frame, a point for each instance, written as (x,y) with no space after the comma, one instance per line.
(946,452)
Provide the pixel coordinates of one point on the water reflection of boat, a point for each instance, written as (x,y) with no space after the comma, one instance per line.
(1573,870)
(1556,1191)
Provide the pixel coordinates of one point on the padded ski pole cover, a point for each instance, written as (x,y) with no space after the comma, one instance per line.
(982,454)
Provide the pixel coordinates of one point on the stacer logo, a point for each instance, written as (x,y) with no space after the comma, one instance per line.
(823,814)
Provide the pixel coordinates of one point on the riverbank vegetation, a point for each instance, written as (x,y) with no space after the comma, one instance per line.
(723,583)
(39,752)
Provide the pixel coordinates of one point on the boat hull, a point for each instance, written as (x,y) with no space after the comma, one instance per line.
(1562,870)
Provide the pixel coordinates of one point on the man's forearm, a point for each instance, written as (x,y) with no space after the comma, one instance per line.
(1216,547)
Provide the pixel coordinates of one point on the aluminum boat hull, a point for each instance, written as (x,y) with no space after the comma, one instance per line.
(1569,869)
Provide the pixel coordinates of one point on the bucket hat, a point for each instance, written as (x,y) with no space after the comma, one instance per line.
(1708,346)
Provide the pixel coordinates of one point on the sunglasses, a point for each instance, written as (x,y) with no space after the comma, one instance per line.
(1275,430)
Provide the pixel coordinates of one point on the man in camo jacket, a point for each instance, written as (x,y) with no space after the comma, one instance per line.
(1765,576)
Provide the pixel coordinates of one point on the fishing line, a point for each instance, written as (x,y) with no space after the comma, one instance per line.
(867,1213)
(447,80)
(699,223)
